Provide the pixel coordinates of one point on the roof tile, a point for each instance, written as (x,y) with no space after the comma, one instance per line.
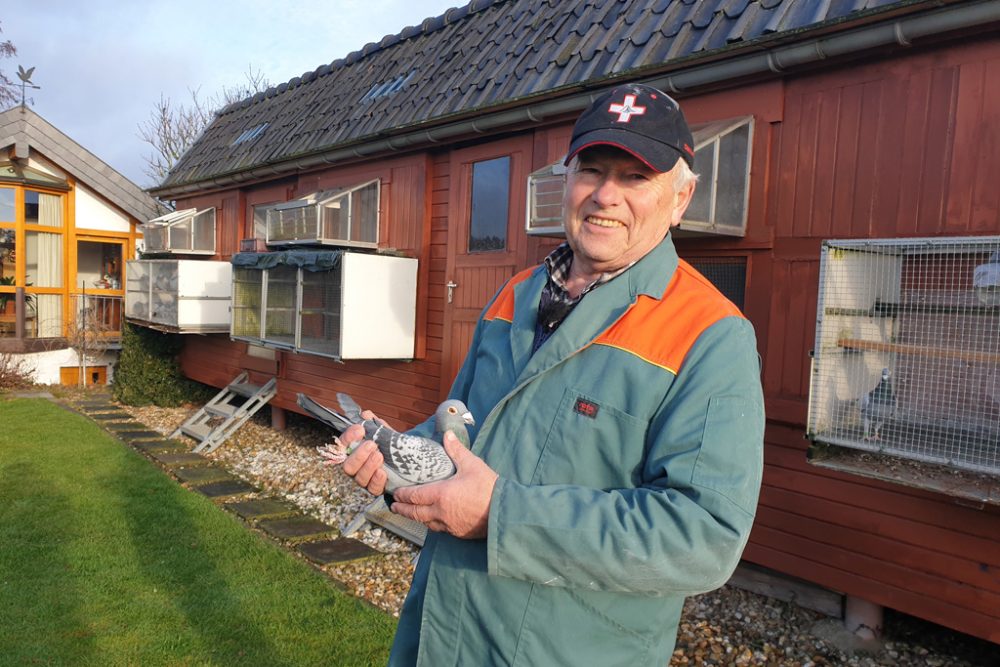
(485,53)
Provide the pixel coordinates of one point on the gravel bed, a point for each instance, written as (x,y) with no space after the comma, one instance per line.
(729,626)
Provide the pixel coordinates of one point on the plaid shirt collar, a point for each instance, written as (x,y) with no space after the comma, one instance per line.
(558,263)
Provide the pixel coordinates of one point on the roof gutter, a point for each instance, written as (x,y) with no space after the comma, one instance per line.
(902,32)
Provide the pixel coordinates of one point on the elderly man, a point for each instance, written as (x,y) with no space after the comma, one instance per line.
(617,461)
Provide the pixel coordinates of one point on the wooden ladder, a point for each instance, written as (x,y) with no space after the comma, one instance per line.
(213,424)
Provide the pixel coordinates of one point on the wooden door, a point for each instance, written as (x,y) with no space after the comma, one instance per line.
(479,262)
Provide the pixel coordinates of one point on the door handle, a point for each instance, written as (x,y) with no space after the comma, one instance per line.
(451,285)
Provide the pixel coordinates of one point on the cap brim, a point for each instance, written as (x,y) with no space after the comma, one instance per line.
(656,155)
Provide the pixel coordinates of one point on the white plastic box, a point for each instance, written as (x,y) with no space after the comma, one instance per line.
(178,295)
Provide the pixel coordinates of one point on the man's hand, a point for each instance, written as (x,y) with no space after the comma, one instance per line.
(365,462)
(459,505)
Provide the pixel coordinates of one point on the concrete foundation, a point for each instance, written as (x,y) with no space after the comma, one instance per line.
(862,617)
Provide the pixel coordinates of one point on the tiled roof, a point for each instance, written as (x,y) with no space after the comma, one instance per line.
(22,127)
(484,56)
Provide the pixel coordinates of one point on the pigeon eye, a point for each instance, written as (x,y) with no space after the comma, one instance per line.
(452,410)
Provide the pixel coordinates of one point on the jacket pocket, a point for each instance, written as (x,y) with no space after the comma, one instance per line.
(591,442)
(729,461)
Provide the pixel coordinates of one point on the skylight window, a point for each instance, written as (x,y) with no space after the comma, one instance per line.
(250,134)
(387,88)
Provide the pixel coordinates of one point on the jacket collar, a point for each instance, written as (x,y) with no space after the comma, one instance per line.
(597,311)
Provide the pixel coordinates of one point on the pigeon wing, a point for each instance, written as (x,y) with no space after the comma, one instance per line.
(419,460)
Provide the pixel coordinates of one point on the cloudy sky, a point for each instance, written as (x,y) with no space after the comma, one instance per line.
(103,64)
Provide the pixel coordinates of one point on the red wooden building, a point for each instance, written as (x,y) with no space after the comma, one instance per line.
(848,119)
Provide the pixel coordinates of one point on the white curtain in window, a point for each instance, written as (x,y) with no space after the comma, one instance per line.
(44,256)
(49,210)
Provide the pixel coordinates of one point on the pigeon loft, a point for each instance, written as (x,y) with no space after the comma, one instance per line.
(331,303)
(178,295)
(906,358)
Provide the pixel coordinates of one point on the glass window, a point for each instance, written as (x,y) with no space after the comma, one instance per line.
(6,205)
(490,205)
(31,207)
(7,256)
(42,209)
(43,259)
(98,265)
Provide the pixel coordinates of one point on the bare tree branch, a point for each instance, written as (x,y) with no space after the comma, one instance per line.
(172,128)
(9,91)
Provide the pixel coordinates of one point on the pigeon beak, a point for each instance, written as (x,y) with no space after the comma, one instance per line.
(468,419)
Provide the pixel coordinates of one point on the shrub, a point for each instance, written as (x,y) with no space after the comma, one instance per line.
(13,373)
(148,372)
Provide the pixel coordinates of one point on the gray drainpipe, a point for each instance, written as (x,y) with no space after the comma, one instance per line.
(900,31)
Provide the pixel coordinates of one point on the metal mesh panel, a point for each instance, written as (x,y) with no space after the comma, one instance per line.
(907,353)
(137,289)
(279,315)
(728,274)
(321,305)
(247,291)
(163,309)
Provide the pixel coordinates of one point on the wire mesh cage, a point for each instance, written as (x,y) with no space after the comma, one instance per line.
(907,352)
(728,274)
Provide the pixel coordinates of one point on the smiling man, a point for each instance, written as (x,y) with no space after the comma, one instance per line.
(617,461)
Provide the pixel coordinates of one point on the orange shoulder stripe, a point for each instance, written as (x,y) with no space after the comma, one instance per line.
(662,331)
(502,307)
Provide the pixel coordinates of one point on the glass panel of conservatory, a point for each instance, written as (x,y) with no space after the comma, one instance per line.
(98,264)
(43,259)
(7,205)
(48,314)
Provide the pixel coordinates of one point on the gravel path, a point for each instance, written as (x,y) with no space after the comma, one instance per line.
(725,627)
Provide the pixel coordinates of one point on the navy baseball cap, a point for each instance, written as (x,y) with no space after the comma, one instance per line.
(639,119)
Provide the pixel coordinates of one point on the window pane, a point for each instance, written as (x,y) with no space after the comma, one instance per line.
(335,219)
(364,214)
(260,221)
(204,231)
(729,208)
(48,315)
(704,165)
(7,255)
(6,205)
(42,209)
(43,259)
(98,264)
(490,205)
(180,235)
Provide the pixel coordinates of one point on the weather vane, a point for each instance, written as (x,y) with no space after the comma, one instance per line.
(25,77)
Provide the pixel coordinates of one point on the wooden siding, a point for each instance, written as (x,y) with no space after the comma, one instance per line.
(900,147)
(903,146)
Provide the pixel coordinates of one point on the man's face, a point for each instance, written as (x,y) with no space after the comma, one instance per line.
(617,209)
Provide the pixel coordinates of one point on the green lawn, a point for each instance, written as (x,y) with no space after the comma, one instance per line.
(104,560)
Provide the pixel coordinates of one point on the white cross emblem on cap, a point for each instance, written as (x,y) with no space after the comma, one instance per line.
(627,109)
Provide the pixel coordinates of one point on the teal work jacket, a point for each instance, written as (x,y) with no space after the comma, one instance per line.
(629,450)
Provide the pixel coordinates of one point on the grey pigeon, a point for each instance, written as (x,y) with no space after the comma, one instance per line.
(409,459)
(878,406)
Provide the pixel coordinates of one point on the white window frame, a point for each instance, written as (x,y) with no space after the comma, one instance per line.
(319,200)
(164,225)
(706,137)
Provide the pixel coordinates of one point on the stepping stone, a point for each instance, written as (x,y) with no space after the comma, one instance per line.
(200,474)
(92,405)
(180,458)
(261,507)
(294,527)
(110,416)
(227,487)
(127,426)
(151,446)
(340,550)
(141,434)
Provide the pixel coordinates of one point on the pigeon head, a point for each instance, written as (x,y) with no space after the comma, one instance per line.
(454,412)
(885,373)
